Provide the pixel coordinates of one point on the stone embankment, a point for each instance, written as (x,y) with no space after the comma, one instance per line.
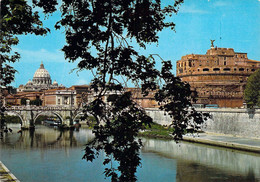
(230,128)
(235,122)
(6,175)
(227,141)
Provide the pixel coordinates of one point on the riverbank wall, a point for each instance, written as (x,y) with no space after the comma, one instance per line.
(6,175)
(236,122)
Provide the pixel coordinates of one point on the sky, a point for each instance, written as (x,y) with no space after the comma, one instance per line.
(231,23)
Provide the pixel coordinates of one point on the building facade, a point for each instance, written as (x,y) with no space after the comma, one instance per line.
(59,97)
(76,95)
(143,101)
(219,76)
(16,99)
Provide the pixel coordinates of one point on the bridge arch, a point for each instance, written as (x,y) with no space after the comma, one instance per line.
(53,112)
(19,115)
(77,114)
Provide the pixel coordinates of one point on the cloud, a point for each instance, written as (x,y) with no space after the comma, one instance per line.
(221,3)
(192,10)
(81,82)
(41,54)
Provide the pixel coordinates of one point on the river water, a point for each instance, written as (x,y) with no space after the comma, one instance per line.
(53,156)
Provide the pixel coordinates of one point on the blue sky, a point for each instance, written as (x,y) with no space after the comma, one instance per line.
(198,21)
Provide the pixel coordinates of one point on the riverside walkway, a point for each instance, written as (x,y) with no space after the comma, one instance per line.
(6,175)
(227,141)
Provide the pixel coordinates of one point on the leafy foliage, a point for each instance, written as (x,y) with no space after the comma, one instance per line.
(23,101)
(252,91)
(16,18)
(175,98)
(116,136)
(37,102)
(98,36)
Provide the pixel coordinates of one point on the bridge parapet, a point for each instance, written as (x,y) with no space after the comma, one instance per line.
(42,108)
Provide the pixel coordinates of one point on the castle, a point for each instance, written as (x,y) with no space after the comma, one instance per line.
(219,76)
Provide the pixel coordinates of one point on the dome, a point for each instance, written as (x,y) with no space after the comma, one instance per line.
(55,83)
(41,77)
(41,72)
(29,82)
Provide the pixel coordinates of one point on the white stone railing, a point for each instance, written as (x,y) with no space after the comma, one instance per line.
(41,108)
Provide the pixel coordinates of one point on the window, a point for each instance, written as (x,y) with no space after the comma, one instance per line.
(235,69)
(225,63)
(216,69)
(205,69)
(252,69)
(189,63)
(241,69)
(226,69)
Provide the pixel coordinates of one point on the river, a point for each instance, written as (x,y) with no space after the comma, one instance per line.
(53,156)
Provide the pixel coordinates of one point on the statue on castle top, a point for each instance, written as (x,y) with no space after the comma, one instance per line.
(212,43)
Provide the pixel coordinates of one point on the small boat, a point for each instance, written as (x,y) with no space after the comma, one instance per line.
(51,122)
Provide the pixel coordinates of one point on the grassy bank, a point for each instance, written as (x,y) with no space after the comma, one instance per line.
(157,131)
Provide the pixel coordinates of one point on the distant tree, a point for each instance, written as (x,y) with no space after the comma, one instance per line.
(252,91)
(23,101)
(13,119)
(36,102)
(99,34)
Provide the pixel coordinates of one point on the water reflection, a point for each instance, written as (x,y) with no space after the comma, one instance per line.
(204,163)
(45,137)
(46,150)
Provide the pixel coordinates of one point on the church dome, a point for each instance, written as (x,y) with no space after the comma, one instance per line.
(41,81)
(55,83)
(29,82)
(41,72)
(42,77)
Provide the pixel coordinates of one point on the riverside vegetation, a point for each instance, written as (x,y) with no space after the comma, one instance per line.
(153,131)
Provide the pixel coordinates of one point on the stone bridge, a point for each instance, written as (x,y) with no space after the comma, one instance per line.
(28,114)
